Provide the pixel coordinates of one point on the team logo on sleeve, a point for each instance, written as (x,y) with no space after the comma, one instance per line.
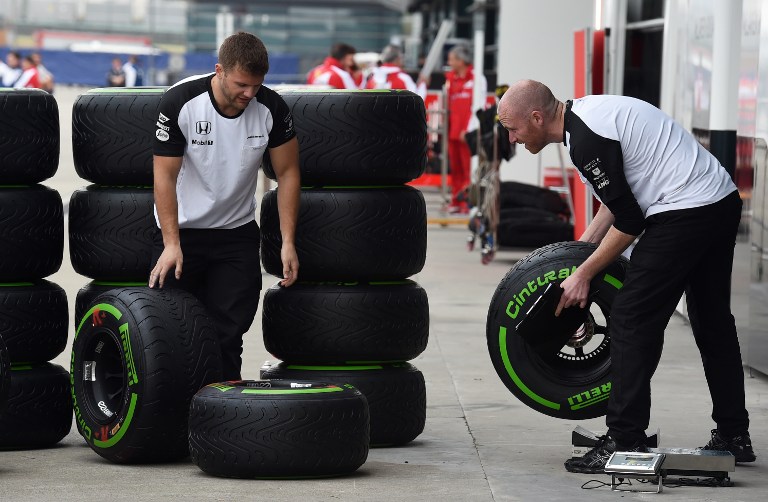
(163,118)
(599,177)
(162,135)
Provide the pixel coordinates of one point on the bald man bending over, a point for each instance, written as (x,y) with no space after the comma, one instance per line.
(655,181)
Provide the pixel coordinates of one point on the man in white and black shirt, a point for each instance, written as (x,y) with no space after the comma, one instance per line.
(211,134)
(653,178)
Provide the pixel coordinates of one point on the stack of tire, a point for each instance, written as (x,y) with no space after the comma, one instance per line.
(354,317)
(35,405)
(111,222)
(531,216)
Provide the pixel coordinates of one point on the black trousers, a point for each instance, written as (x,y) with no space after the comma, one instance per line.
(221,269)
(689,251)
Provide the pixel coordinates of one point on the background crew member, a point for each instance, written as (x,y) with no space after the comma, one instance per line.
(336,69)
(212,132)
(390,75)
(654,178)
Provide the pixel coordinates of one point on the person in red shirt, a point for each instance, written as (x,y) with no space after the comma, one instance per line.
(459,85)
(335,70)
(29,77)
(390,74)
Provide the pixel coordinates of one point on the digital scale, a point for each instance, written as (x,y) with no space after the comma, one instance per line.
(658,463)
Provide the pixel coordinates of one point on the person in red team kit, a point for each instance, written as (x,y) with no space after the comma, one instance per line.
(335,70)
(459,83)
(390,74)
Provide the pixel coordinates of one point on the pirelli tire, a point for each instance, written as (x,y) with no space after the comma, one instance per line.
(278,429)
(88,293)
(38,411)
(138,357)
(111,231)
(327,323)
(5,374)
(357,137)
(34,320)
(396,394)
(351,234)
(573,382)
(31,232)
(112,134)
(29,136)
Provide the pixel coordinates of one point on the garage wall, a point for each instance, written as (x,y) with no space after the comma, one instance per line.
(536,41)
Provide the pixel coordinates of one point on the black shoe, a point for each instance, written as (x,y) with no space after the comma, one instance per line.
(740,446)
(593,462)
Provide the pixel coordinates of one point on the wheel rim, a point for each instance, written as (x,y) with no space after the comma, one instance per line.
(104,376)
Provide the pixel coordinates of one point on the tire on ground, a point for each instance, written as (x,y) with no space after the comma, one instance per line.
(532,228)
(396,394)
(5,375)
(31,232)
(112,135)
(38,410)
(357,137)
(89,292)
(513,194)
(352,234)
(572,383)
(260,429)
(138,357)
(111,232)
(29,136)
(327,323)
(34,320)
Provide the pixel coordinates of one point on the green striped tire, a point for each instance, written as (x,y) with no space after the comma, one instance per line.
(29,136)
(34,320)
(113,130)
(38,410)
(138,357)
(90,291)
(572,382)
(328,323)
(291,429)
(31,232)
(396,394)
(357,137)
(5,374)
(351,234)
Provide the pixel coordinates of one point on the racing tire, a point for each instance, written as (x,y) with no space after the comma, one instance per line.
(531,228)
(261,429)
(513,194)
(138,357)
(328,323)
(29,136)
(90,291)
(31,232)
(38,410)
(5,374)
(113,131)
(351,234)
(396,394)
(34,320)
(111,231)
(573,382)
(357,137)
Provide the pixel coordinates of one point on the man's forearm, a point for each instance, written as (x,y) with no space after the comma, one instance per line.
(599,226)
(612,245)
(288,200)
(167,208)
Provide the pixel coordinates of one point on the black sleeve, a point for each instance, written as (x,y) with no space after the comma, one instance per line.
(169,138)
(601,162)
(282,120)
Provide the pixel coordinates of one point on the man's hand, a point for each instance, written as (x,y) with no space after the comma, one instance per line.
(575,292)
(170,258)
(290,264)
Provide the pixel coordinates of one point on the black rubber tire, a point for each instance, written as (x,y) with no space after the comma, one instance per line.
(351,234)
(111,232)
(31,232)
(329,323)
(113,131)
(34,320)
(357,137)
(29,136)
(38,411)
(138,357)
(574,383)
(5,374)
(396,393)
(531,228)
(513,194)
(89,292)
(260,429)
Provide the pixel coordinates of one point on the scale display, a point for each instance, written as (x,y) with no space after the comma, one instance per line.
(634,463)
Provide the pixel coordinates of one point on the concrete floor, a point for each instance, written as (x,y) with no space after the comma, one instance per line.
(480,443)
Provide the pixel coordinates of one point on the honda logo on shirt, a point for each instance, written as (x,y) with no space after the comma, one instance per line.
(203,128)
